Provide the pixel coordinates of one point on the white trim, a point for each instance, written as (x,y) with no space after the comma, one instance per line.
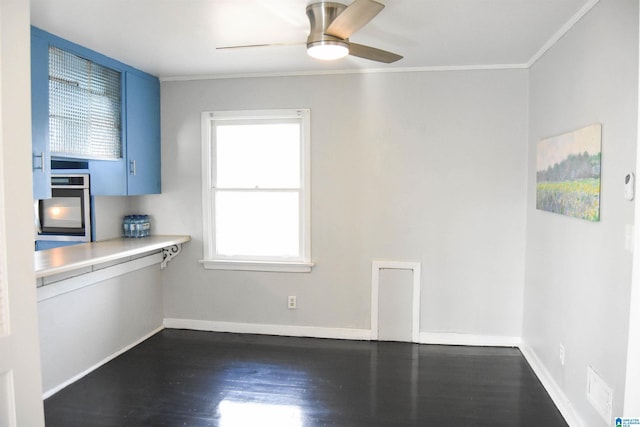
(305,202)
(240,115)
(207,183)
(107,359)
(444,338)
(8,399)
(376,266)
(631,406)
(213,260)
(345,71)
(261,329)
(4,282)
(558,397)
(91,278)
(562,31)
(269,266)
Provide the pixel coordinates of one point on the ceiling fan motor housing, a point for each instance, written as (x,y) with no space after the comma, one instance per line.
(321,15)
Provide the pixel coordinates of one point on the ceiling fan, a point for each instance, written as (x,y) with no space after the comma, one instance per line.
(331,26)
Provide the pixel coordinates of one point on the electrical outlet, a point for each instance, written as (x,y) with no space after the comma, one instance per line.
(291,302)
(561,354)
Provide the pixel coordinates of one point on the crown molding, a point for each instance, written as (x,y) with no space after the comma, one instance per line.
(562,31)
(474,67)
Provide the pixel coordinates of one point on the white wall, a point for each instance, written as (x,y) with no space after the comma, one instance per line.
(81,328)
(108,213)
(427,167)
(19,350)
(578,272)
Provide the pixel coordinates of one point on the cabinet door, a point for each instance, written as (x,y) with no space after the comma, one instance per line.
(40,117)
(142,134)
(108,177)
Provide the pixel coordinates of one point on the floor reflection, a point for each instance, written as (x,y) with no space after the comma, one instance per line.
(242,414)
(199,379)
(262,394)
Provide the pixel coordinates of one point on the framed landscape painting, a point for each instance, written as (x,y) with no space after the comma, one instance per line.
(568,173)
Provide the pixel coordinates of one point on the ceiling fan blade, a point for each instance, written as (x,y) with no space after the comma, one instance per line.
(354,17)
(258,45)
(372,53)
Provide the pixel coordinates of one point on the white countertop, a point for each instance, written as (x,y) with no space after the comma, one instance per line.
(68,258)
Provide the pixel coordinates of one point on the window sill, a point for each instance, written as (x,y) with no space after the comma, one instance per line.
(270,266)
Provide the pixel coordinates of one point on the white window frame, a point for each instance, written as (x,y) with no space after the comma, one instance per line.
(211,260)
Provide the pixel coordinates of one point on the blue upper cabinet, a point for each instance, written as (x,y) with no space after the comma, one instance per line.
(40,117)
(137,171)
(142,133)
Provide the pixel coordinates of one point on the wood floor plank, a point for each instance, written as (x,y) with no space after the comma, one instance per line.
(189,378)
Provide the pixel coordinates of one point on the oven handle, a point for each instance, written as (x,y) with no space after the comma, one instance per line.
(36,212)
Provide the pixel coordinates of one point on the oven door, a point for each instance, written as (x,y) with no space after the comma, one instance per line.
(65,216)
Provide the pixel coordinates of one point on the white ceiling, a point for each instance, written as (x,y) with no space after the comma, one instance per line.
(178,38)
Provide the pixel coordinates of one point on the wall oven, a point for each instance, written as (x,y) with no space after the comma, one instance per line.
(66,216)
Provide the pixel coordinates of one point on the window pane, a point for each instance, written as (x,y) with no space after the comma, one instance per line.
(257,223)
(258,156)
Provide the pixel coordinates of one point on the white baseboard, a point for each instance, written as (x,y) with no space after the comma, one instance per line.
(70,381)
(336,333)
(560,399)
(254,328)
(468,339)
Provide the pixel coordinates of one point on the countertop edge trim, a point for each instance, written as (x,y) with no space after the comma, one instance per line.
(156,245)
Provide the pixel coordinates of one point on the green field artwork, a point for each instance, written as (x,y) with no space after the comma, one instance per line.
(568,173)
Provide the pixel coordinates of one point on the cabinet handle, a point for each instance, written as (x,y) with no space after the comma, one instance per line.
(132,167)
(41,156)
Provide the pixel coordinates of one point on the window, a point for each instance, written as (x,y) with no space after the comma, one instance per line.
(84,108)
(255,176)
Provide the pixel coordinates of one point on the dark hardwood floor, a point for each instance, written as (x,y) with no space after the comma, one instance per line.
(188,378)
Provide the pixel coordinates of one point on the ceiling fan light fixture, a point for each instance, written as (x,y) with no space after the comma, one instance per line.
(328,50)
